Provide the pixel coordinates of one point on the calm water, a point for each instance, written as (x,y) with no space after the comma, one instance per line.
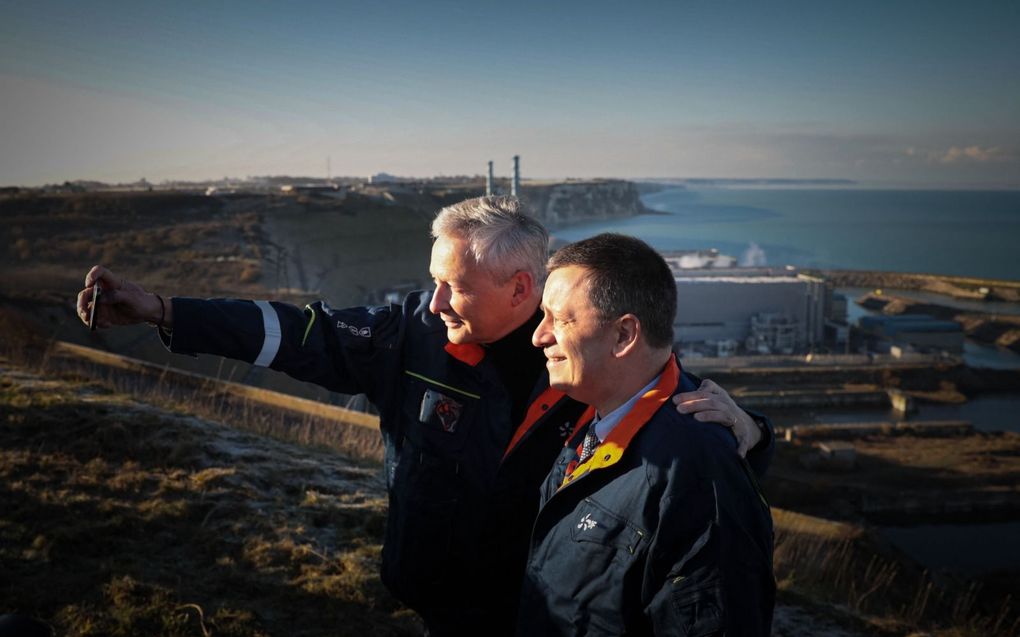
(968,233)
(991,307)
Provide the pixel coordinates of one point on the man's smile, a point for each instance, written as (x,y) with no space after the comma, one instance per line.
(553,359)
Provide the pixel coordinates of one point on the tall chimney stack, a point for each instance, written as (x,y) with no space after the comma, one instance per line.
(515,185)
(488,182)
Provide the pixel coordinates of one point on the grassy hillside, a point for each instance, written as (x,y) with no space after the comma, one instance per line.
(120,518)
(173,241)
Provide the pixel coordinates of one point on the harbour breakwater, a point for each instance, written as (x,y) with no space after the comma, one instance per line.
(959,287)
(984,327)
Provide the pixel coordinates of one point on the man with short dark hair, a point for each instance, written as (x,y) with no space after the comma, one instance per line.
(650,524)
(469,423)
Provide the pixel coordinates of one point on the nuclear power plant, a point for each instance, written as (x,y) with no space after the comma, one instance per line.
(515,181)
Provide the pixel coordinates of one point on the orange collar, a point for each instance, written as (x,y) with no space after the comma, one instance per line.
(611,450)
(536,410)
(467,353)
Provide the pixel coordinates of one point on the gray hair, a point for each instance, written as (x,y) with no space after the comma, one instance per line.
(501,238)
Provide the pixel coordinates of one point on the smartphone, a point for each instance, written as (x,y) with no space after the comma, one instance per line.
(96,292)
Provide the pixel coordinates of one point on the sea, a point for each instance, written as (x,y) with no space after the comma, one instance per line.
(965,233)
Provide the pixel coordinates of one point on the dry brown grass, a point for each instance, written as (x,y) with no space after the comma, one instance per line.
(842,564)
(175,242)
(121,519)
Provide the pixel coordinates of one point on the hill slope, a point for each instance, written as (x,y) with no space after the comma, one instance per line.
(122,519)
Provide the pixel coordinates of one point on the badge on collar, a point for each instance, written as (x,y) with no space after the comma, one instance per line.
(445,409)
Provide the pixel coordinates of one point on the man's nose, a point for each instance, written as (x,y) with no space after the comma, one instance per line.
(440,298)
(542,335)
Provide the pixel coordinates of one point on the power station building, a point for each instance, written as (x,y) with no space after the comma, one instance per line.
(725,311)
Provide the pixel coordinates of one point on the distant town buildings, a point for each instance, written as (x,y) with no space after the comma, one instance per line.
(384,178)
(333,191)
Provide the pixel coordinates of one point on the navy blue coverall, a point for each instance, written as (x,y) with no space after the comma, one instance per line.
(663,531)
(469,434)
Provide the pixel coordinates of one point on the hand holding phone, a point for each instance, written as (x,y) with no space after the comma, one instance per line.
(97,290)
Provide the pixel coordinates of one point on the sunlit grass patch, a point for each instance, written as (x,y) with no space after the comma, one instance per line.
(130,608)
(121,519)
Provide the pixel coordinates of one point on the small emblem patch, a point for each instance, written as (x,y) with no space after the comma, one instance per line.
(586,523)
(446,410)
(565,429)
(364,332)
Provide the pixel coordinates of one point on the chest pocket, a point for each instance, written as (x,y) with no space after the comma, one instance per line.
(596,524)
(588,573)
(439,416)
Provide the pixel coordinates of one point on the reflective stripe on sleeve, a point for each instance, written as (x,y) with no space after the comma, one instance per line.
(271,344)
(311,321)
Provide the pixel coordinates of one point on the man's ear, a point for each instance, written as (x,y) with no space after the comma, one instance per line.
(628,332)
(524,285)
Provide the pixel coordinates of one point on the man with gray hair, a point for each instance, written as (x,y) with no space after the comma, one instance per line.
(469,424)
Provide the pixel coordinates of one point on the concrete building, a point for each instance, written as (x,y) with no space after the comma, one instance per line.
(384,178)
(761,310)
(837,328)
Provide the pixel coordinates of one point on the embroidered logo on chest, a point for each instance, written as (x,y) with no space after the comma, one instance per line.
(445,409)
(586,523)
(565,429)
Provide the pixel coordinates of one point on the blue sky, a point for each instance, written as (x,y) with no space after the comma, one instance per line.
(924,93)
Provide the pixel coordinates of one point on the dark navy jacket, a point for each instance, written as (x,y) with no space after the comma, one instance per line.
(463,478)
(662,532)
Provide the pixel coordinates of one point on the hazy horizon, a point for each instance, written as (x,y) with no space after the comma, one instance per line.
(704,183)
(917,94)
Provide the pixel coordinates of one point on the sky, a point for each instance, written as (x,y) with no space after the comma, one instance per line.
(922,93)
